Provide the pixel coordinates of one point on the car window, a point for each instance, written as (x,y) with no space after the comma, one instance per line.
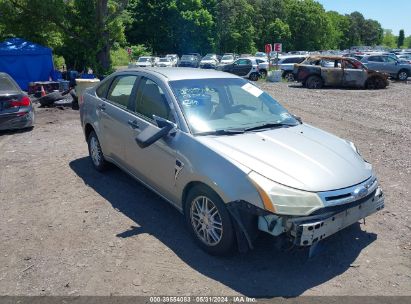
(226,103)
(243,62)
(7,85)
(151,100)
(330,63)
(293,60)
(389,59)
(375,59)
(120,89)
(101,91)
(349,65)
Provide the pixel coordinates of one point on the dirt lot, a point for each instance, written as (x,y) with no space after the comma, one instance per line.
(67,230)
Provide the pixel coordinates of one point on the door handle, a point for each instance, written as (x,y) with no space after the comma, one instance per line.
(133,124)
(102,107)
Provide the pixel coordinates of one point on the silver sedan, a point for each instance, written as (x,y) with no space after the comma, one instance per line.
(228,156)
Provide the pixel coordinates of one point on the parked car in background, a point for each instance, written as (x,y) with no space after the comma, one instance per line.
(286,65)
(155,60)
(227,59)
(244,67)
(174,58)
(406,58)
(189,61)
(228,156)
(263,65)
(318,71)
(16,109)
(388,64)
(165,62)
(209,61)
(145,61)
(261,55)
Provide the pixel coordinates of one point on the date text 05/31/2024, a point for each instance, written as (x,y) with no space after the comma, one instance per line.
(202,299)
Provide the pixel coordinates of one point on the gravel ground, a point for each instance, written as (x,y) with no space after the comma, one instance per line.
(66,229)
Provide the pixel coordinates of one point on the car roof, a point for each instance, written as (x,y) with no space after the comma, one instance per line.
(183,73)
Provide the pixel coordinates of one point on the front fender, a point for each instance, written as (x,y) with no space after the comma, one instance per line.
(204,165)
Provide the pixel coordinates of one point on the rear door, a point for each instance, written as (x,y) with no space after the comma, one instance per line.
(154,165)
(112,113)
(354,75)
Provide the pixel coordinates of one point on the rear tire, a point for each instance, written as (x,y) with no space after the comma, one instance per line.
(314,82)
(375,83)
(263,73)
(402,75)
(253,77)
(95,152)
(289,76)
(208,220)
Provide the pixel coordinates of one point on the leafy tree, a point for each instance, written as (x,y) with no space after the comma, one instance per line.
(407,42)
(81,31)
(280,32)
(235,30)
(401,38)
(309,25)
(389,39)
(265,14)
(372,32)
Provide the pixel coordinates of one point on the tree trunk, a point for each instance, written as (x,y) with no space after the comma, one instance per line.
(103,54)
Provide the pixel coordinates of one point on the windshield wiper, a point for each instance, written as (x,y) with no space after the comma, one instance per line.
(269,126)
(221,132)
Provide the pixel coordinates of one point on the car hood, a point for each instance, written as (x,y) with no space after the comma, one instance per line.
(302,157)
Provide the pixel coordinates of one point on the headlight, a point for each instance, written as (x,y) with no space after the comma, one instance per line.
(280,199)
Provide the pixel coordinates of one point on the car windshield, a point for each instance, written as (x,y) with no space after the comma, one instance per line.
(208,57)
(212,105)
(164,60)
(187,57)
(227,57)
(143,59)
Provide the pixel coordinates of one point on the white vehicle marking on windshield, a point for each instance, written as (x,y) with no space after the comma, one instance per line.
(253,90)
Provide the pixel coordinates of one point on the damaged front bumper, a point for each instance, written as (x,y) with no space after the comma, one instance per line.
(308,230)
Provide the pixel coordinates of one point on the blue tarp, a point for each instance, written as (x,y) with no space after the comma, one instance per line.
(25,61)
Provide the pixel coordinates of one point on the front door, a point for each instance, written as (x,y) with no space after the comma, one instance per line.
(242,67)
(332,72)
(155,164)
(112,110)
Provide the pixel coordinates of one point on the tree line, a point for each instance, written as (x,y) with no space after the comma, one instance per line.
(93,32)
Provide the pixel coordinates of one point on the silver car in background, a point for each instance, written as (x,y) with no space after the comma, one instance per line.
(228,156)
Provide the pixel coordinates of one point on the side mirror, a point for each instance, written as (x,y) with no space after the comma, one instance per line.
(152,133)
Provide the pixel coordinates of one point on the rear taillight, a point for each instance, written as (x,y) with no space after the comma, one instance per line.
(23,102)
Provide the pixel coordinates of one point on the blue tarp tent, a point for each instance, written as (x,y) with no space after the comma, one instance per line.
(25,61)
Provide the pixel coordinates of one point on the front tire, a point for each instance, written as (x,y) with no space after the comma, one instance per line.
(208,220)
(314,82)
(95,152)
(402,75)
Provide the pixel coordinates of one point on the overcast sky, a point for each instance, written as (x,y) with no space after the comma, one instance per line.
(394,15)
